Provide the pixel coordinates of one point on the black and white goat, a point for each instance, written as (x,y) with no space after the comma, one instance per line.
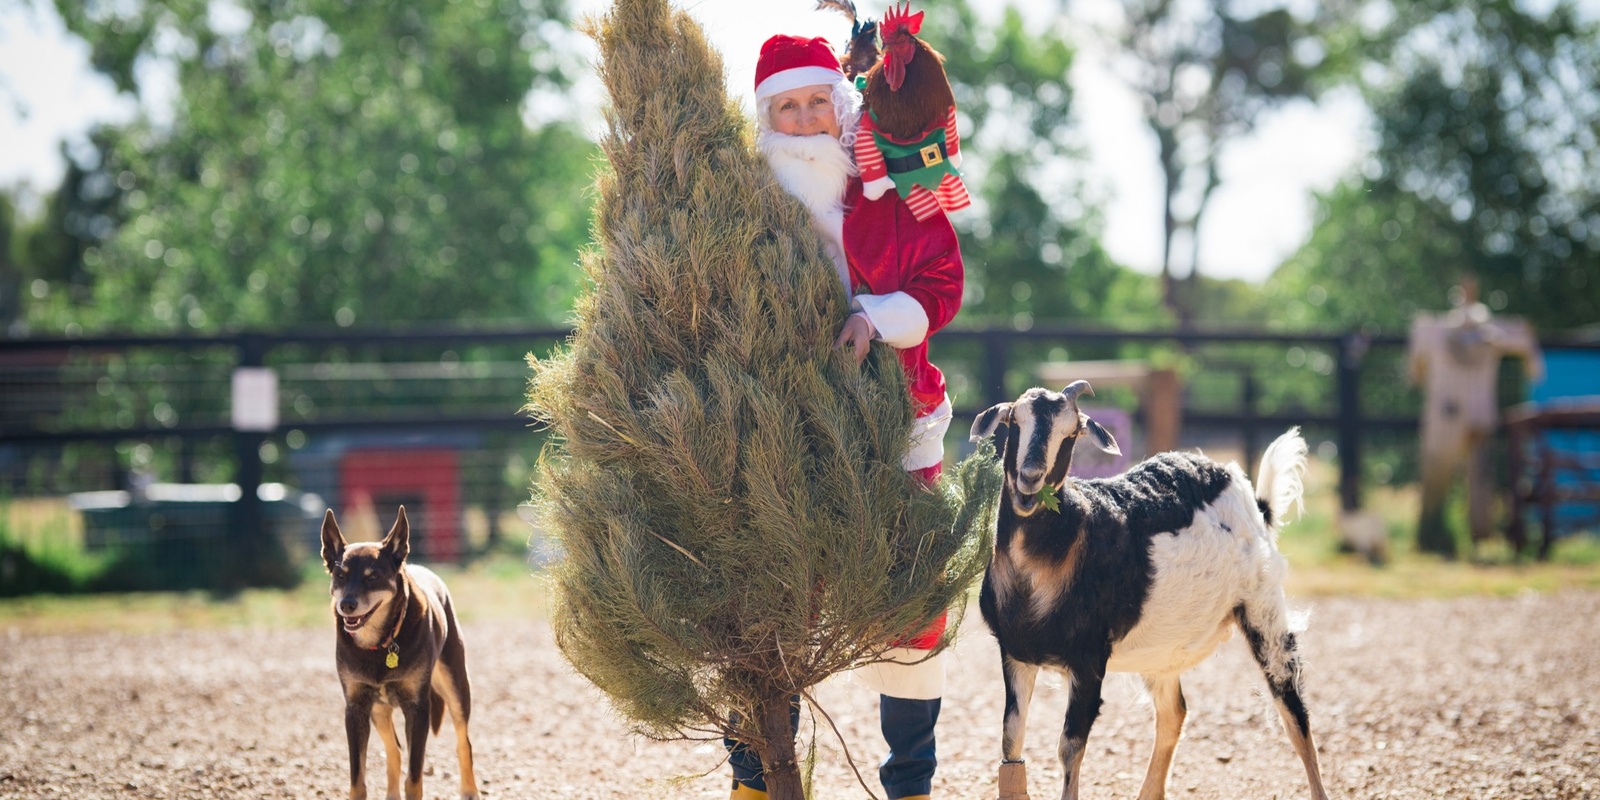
(1146,572)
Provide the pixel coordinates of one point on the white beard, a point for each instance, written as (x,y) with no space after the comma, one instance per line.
(815,170)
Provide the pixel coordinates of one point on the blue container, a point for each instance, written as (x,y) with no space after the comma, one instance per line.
(1572,376)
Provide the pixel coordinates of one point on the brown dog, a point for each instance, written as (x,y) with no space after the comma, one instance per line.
(399,646)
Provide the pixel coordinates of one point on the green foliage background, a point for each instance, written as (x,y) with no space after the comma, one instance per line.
(329,163)
(372,163)
(1488,151)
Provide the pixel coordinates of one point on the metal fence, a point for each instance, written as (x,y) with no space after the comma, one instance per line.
(146,441)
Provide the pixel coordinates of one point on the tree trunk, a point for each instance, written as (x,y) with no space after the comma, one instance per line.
(777,756)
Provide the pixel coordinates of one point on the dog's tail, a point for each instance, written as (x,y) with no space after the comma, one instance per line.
(436,710)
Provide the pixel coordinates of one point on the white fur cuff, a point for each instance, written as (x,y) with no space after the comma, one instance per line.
(899,319)
(910,675)
(874,189)
(927,438)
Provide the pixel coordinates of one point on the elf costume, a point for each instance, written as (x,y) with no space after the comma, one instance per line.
(922,170)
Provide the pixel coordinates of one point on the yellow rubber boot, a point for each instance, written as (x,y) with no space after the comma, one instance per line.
(742,791)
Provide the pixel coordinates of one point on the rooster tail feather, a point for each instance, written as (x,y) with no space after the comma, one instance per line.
(845,7)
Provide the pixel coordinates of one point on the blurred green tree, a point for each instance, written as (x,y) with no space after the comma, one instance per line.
(1032,246)
(1488,163)
(1205,73)
(327,162)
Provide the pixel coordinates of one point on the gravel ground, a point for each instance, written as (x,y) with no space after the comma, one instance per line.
(1468,698)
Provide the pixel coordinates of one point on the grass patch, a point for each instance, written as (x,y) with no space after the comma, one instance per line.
(41,550)
(497,587)
(502,585)
(1319,567)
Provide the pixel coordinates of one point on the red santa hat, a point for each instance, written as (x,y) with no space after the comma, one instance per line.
(790,62)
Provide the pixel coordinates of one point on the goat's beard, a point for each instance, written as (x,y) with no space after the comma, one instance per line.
(814,169)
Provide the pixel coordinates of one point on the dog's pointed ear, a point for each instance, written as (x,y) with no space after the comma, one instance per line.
(990,419)
(398,542)
(332,542)
(1102,437)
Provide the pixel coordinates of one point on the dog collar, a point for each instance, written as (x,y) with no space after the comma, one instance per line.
(392,660)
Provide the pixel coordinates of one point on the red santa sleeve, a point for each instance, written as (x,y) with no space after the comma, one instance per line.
(913,268)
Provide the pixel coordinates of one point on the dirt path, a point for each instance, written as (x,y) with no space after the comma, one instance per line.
(1472,698)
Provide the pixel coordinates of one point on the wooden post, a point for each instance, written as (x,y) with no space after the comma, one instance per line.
(1163,410)
(1248,401)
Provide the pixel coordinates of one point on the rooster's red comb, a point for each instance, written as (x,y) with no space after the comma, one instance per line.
(898,17)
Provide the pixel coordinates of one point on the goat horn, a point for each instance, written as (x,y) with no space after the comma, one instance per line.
(1076,388)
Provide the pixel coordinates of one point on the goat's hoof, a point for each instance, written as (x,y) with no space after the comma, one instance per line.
(1013,780)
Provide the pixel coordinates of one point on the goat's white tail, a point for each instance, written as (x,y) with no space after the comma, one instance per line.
(1280,480)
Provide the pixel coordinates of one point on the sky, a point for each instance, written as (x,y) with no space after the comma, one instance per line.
(1260,214)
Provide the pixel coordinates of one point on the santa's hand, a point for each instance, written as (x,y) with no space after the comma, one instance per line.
(874,189)
(857,334)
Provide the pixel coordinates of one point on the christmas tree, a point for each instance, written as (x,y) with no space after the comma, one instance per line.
(726,486)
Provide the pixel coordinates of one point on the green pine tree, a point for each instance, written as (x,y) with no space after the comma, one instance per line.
(725,484)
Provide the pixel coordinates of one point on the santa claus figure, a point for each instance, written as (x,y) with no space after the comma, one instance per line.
(904,276)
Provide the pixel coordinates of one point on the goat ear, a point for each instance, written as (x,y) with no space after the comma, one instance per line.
(991,418)
(1102,437)
(332,541)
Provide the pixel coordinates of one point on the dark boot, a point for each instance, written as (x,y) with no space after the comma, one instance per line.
(907,771)
(749,777)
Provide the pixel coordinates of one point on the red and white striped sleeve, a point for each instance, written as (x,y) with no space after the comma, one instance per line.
(875,179)
(952,140)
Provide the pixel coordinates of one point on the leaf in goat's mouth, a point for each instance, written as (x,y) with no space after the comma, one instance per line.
(1047,498)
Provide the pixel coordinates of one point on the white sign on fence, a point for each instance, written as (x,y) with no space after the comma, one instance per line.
(255,399)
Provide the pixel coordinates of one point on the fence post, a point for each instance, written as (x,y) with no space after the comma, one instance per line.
(1352,348)
(1248,401)
(995,358)
(249,523)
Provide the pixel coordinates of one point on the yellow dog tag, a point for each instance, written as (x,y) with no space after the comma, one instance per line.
(392,660)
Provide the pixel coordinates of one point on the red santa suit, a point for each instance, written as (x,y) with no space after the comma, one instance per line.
(906,277)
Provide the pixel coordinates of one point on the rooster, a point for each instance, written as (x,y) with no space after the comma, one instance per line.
(907,139)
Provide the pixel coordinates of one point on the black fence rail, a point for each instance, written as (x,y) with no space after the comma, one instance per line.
(364,420)
(1225,372)
(144,440)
